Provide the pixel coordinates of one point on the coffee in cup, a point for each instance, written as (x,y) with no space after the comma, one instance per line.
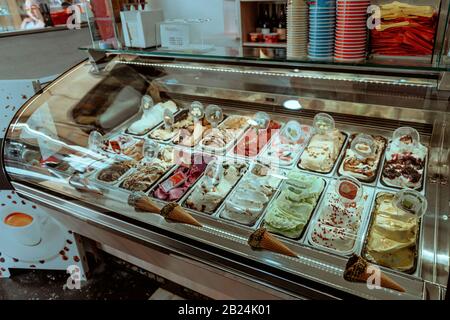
(18,219)
(23,227)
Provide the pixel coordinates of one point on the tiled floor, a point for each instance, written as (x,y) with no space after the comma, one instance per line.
(110,279)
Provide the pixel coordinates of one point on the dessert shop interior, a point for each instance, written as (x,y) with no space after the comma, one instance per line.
(224,149)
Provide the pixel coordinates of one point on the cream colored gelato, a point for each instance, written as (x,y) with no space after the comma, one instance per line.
(152,118)
(392,236)
(206,198)
(322,151)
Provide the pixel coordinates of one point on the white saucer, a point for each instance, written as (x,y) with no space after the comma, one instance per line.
(51,244)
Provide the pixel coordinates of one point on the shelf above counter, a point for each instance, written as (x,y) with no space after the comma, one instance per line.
(248,56)
(265,45)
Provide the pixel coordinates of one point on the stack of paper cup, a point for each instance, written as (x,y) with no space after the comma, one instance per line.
(351,32)
(322,19)
(297,28)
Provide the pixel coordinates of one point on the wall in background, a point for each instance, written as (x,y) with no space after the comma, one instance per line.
(222,13)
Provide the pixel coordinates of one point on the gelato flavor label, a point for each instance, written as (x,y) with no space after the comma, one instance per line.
(173,182)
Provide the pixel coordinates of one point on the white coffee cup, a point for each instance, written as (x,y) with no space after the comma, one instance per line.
(24,227)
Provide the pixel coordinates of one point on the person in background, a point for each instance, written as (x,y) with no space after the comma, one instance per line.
(34,17)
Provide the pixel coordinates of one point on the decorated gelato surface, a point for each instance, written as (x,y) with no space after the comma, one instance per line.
(405,164)
(251,196)
(254,140)
(144,177)
(113,172)
(339,219)
(363,168)
(190,135)
(207,198)
(182,120)
(124,145)
(226,134)
(392,236)
(151,118)
(183,177)
(291,211)
(322,151)
(148,172)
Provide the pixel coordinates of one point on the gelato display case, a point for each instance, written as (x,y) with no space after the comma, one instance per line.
(245,177)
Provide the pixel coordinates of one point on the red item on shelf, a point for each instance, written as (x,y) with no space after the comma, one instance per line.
(59,17)
(271,38)
(413,40)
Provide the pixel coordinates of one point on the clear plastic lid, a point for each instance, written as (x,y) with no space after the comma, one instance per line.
(146,103)
(261,120)
(214,115)
(323,123)
(95,141)
(349,189)
(168,118)
(213,174)
(411,202)
(406,138)
(363,146)
(292,131)
(197,110)
(150,149)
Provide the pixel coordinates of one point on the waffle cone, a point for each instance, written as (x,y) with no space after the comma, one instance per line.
(356,270)
(176,213)
(142,202)
(262,239)
(146,204)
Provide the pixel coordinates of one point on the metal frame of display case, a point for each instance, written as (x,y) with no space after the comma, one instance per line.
(315,274)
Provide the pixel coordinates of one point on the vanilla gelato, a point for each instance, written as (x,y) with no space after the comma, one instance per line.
(152,118)
(322,151)
(392,236)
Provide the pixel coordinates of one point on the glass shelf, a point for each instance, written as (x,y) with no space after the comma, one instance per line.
(249,54)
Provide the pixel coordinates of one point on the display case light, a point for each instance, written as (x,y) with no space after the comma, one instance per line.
(292,104)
